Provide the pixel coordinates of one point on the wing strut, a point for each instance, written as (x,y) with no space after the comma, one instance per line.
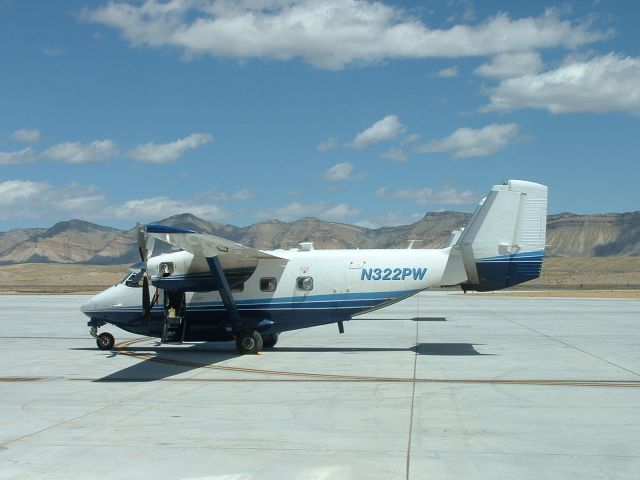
(225,292)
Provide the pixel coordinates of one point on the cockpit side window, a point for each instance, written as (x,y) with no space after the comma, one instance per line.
(134,279)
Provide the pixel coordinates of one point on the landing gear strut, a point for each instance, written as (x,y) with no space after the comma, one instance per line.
(249,341)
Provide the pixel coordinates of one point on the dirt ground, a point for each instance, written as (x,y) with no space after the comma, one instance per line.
(584,276)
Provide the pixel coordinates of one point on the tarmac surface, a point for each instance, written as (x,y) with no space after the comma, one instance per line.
(439,386)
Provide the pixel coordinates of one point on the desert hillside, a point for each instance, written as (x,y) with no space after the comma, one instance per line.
(80,242)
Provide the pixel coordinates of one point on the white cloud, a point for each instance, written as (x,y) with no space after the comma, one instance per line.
(395,154)
(169,152)
(341,211)
(330,34)
(26,135)
(603,84)
(161,207)
(447,72)
(77,152)
(339,172)
(16,192)
(412,138)
(386,129)
(54,51)
(468,142)
(78,200)
(327,145)
(215,195)
(391,219)
(509,65)
(26,155)
(28,199)
(428,196)
(297,210)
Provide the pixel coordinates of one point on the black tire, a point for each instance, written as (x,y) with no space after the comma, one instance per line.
(249,341)
(105,341)
(269,340)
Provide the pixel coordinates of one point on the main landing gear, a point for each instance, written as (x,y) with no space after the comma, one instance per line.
(250,341)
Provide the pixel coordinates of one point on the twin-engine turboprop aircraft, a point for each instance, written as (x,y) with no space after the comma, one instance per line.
(217,290)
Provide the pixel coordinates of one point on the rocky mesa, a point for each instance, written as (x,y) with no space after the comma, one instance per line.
(78,241)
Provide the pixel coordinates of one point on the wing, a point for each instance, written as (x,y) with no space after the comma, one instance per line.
(205,245)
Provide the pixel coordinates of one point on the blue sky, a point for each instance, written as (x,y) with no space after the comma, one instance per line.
(354,111)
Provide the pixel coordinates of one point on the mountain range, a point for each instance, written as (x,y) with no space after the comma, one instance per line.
(78,241)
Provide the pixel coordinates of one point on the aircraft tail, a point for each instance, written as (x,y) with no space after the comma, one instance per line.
(503,244)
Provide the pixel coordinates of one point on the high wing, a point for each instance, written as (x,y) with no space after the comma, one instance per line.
(204,245)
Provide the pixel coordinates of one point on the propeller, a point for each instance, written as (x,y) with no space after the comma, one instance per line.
(145,248)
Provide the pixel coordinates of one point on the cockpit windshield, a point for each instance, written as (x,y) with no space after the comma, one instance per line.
(133,279)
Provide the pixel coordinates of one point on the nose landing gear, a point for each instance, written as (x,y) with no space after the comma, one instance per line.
(105,340)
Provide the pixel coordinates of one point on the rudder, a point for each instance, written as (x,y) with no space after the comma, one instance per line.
(503,244)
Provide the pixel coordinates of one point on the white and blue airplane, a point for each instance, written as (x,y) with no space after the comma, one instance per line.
(213,289)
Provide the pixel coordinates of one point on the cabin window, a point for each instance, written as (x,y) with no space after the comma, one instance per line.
(304,283)
(268,284)
(238,288)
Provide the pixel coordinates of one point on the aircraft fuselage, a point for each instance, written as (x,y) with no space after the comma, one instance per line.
(308,288)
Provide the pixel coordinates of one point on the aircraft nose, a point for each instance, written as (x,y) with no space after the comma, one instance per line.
(88,306)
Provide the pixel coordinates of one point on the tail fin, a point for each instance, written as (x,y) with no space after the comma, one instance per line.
(503,244)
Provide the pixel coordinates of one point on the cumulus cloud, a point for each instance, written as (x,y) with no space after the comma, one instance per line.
(26,155)
(14,192)
(383,130)
(26,135)
(341,211)
(469,142)
(216,195)
(327,145)
(390,219)
(339,172)
(395,154)
(169,152)
(161,207)
(297,210)
(54,51)
(331,34)
(509,65)
(428,196)
(411,138)
(28,199)
(77,152)
(447,72)
(602,84)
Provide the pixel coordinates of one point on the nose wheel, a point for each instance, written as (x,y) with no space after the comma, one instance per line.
(105,340)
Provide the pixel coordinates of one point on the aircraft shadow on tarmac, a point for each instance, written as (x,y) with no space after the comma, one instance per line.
(429,319)
(414,319)
(169,361)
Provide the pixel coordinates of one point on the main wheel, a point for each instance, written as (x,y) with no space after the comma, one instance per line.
(105,341)
(269,340)
(249,341)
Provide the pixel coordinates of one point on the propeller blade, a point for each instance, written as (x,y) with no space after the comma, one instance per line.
(146,300)
(142,243)
(150,243)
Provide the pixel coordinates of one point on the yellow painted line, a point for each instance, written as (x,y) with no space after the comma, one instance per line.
(323,377)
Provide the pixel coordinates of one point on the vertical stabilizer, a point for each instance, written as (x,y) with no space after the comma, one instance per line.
(503,245)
